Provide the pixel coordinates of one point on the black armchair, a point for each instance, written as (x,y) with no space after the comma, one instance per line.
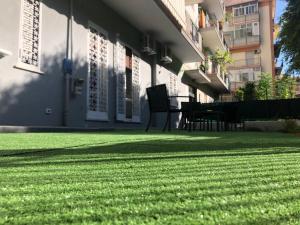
(159,102)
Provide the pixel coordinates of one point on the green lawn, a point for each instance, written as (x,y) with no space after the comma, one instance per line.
(137,178)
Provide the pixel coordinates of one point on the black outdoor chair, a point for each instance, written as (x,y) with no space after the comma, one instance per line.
(159,102)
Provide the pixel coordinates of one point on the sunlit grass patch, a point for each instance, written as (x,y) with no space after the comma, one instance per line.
(138,178)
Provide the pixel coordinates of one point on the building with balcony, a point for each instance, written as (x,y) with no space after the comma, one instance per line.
(213,80)
(88,63)
(248,30)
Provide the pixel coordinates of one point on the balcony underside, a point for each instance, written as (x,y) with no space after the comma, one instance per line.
(245,47)
(218,84)
(192,2)
(212,39)
(153,17)
(197,76)
(214,7)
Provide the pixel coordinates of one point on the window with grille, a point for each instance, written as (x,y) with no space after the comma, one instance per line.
(30,35)
(97,73)
(127,71)
(173,88)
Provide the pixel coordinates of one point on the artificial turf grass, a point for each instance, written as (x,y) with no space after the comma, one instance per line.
(133,178)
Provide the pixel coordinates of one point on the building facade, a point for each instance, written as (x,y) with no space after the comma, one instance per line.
(88,63)
(249,33)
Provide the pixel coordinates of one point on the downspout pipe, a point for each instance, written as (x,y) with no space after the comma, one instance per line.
(154,82)
(67,65)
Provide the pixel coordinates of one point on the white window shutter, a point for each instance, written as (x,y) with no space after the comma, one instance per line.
(97,92)
(136,89)
(173,88)
(120,72)
(103,60)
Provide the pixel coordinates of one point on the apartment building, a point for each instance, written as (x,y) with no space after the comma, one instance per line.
(211,15)
(88,63)
(248,30)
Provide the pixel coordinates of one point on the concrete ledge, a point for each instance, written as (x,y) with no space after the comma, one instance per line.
(27,129)
(273,126)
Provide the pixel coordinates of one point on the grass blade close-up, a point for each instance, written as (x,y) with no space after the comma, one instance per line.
(136,178)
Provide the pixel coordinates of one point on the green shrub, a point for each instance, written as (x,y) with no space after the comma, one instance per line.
(291,126)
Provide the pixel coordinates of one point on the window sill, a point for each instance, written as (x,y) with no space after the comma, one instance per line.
(29,68)
(128,122)
(97,120)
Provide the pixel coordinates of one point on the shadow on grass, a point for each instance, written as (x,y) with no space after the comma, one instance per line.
(210,146)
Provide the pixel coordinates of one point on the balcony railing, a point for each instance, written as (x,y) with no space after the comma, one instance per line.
(239,42)
(214,68)
(216,8)
(177,9)
(193,31)
(244,18)
(244,63)
(216,25)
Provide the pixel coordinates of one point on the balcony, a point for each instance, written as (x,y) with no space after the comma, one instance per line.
(193,32)
(244,19)
(215,8)
(219,81)
(177,9)
(195,73)
(166,20)
(246,63)
(247,41)
(242,31)
(213,36)
(192,2)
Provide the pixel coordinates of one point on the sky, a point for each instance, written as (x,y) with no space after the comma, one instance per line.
(280,7)
(281,4)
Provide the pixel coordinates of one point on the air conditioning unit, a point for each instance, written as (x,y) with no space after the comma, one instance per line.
(149,45)
(166,57)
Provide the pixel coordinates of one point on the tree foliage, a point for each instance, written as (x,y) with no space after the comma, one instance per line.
(249,91)
(239,94)
(285,87)
(264,89)
(223,58)
(289,36)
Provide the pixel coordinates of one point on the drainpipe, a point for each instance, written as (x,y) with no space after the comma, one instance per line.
(154,82)
(153,70)
(67,65)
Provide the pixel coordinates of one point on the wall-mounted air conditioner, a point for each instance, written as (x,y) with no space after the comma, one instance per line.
(166,57)
(149,45)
